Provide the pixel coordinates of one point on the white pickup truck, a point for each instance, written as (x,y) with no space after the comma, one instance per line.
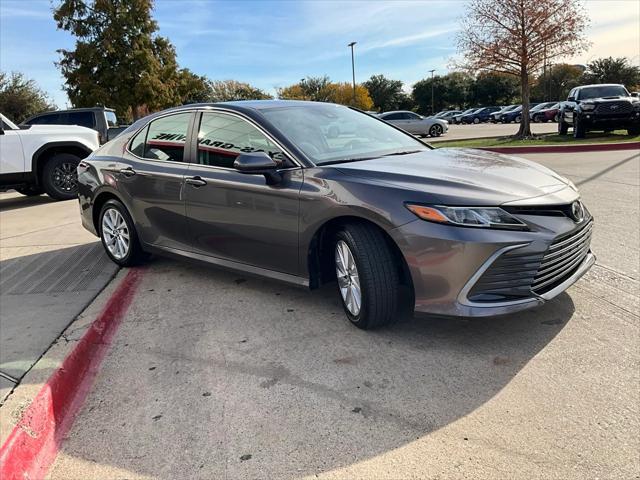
(43,158)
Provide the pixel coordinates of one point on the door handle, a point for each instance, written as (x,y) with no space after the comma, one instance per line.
(195,181)
(128,172)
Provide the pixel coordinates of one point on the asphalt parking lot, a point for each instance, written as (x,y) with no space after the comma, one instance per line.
(219,375)
(458,132)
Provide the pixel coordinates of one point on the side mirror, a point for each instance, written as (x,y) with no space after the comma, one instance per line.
(571,99)
(635,94)
(258,163)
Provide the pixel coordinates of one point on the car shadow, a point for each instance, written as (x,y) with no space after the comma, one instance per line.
(11,203)
(212,369)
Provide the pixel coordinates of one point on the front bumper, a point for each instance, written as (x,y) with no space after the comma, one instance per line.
(445,262)
(594,120)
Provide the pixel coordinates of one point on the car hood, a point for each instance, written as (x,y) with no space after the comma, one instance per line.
(609,100)
(465,177)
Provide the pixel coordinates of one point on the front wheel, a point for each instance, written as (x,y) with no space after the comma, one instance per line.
(435,130)
(563,127)
(518,119)
(367,276)
(60,176)
(476,120)
(579,130)
(118,235)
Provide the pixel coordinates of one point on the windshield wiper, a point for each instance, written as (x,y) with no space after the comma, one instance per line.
(346,160)
(402,153)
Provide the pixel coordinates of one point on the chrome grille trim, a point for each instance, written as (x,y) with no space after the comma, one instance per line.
(562,257)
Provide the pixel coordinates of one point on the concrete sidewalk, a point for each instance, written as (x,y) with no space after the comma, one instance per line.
(50,270)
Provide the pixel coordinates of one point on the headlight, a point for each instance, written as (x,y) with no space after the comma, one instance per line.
(483,217)
(588,106)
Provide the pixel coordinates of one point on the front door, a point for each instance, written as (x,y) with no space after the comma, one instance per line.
(150,178)
(237,216)
(11,155)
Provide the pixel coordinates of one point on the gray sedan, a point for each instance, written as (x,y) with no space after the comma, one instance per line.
(416,124)
(260,187)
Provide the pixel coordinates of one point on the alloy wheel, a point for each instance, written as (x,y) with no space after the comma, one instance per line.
(348,278)
(65,177)
(115,233)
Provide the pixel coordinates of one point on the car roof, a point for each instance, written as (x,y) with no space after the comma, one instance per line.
(601,85)
(397,111)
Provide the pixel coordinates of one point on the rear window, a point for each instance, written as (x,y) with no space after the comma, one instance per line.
(112,121)
(84,119)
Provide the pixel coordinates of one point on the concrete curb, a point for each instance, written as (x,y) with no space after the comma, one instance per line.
(33,444)
(584,147)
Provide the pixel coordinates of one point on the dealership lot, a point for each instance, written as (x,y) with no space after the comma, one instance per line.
(459,132)
(216,374)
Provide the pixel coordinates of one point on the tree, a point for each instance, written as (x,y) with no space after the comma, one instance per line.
(321,89)
(118,60)
(193,88)
(495,89)
(453,90)
(518,37)
(21,97)
(557,82)
(613,70)
(386,94)
(227,90)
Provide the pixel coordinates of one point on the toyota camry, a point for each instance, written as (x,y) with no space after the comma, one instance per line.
(261,187)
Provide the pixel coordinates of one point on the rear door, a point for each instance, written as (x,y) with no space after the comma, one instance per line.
(151,178)
(414,123)
(237,216)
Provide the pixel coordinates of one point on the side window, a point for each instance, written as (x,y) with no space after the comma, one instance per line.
(112,121)
(571,93)
(137,144)
(50,119)
(83,119)
(222,137)
(166,138)
(394,116)
(412,116)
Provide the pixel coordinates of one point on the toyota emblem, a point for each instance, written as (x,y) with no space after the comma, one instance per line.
(577,211)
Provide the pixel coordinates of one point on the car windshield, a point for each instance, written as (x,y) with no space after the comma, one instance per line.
(329,133)
(602,91)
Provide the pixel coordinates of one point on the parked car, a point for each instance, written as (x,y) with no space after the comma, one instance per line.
(599,107)
(102,120)
(256,187)
(457,119)
(480,115)
(539,107)
(548,114)
(514,115)
(43,158)
(497,116)
(416,124)
(448,115)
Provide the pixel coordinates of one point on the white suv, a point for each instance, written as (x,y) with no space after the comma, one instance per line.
(43,158)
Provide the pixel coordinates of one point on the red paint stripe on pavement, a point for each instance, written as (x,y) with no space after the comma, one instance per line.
(33,444)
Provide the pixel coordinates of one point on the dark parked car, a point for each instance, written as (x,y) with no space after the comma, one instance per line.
(534,110)
(103,120)
(496,116)
(599,107)
(480,115)
(458,118)
(547,114)
(514,115)
(257,186)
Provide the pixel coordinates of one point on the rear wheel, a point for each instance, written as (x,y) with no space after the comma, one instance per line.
(518,119)
(476,120)
(367,276)
(60,176)
(563,127)
(435,130)
(579,130)
(118,234)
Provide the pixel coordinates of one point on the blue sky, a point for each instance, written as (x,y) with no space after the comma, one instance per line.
(276,43)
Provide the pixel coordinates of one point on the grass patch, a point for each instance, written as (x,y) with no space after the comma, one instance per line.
(617,136)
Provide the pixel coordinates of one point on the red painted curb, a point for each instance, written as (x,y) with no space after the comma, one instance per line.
(33,444)
(585,147)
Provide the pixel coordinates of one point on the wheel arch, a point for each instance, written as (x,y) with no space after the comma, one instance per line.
(51,149)
(319,254)
(99,201)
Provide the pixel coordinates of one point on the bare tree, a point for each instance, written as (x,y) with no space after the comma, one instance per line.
(519,37)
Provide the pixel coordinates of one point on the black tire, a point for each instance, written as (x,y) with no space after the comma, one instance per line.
(633,131)
(378,274)
(435,130)
(135,254)
(563,127)
(60,178)
(578,128)
(556,117)
(30,191)
(518,119)
(476,120)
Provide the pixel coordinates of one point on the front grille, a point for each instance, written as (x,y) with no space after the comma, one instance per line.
(562,259)
(614,107)
(515,275)
(508,278)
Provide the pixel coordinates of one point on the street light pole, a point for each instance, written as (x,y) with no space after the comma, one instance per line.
(353,72)
(432,110)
